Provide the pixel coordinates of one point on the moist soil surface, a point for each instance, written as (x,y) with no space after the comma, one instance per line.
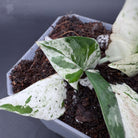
(82,107)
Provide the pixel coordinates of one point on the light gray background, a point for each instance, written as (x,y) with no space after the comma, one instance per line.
(22,22)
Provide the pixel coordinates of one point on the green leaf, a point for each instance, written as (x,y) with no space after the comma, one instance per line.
(43,99)
(108,104)
(70,56)
(128,65)
(124,37)
(74,76)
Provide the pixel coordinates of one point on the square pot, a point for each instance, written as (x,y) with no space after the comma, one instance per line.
(57,125)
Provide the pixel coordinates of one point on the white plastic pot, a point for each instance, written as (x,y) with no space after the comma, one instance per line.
(57,126)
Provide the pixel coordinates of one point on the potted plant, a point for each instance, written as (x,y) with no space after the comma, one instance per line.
(70,68)
(54,125)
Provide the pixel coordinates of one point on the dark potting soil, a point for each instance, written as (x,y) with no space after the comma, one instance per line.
(82,107)
(28,72)
(83,112)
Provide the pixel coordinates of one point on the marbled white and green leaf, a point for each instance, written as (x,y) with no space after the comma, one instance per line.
(108,104)
(128,105)
(43,99)
(124,40)
(124,37)
(70,56)
(128,65)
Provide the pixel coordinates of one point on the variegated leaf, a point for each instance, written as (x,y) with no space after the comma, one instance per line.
(108,104)
(128,65)
(128,104)
(43,99)
(124,39)
(70,56)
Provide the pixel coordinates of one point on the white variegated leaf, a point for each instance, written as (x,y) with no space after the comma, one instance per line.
(70,56)
(108,104)
(43,99)
(128,104)
(124,39)
(128,65)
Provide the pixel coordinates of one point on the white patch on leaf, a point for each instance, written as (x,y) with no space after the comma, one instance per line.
(112,114)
